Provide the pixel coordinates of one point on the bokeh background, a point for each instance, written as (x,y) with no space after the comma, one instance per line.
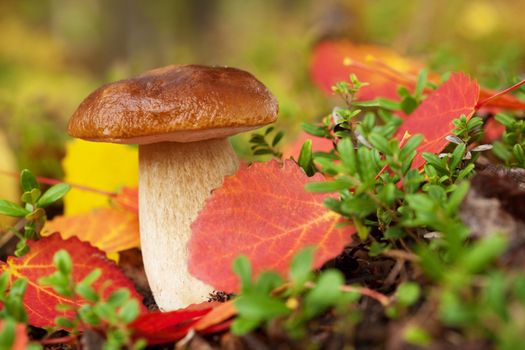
(53,53)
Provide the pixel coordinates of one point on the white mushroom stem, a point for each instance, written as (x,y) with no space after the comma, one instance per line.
(174,181)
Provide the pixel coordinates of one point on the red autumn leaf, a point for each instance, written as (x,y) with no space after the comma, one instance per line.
(21,340)
(263,212)
(40,302)
(109,229)
(166,327)
(433,118)
(384,69)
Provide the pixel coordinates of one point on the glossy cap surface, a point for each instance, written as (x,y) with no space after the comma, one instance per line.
(175,103)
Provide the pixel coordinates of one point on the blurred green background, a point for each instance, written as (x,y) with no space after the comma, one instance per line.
(53,53)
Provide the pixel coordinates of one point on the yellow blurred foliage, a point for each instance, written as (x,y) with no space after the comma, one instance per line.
(102,166)
(480,18)
(8,184)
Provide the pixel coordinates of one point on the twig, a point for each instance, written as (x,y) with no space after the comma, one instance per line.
(48,181)
(401,254)
(381,298)
(499,94)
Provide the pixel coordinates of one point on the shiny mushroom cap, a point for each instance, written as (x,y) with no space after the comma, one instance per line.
(178,103)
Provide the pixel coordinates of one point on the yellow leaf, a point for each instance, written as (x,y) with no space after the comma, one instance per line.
(103,166)
(8,184)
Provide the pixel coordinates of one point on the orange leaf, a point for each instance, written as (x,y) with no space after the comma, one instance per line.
(263,212)
(21,339)
(128,198)
(109,229)
(433,118)
(40,302)
(218,315)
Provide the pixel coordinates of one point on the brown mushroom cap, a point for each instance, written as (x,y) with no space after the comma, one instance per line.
(175,103)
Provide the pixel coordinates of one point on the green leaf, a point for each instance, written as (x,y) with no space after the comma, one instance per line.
(347,153)
(266,282)
(380,102)
(243,269)
(53,194)
(4,282)
(329,186)
(8,334)
(457,155)
(409,104)
(506,120)
(519,288)
(411,145)
(326,293)
(64,322)
(421,83)
(129,311)
(261,152)
(499,149)
(301,267)
(379,142)
(105,312)
(118,297)
(456,197)
(278,137)
(314,130)
(268,130)
(416,335)
(408,293)
(306,159)
(11,209)
(517,150)
(28,181)
(483,253)
(495,294)
(435,161)
(62,261)
(87,292)
(260,307)
(92,276)
(242,325)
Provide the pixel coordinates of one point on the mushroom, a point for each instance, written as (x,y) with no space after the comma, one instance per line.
(180,116)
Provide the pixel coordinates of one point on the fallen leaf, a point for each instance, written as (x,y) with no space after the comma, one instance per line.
(128,198)
(263,212)
(40,302)
(385,71)
(165,327)
(104,166)
(109,229)
(217,316)
(21,340)
(433,118)
(382,68)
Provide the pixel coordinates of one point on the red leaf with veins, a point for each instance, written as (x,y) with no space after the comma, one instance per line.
(263,212)
(40,302)
(433,118)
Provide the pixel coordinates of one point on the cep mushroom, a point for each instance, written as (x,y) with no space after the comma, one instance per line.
(180,116)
